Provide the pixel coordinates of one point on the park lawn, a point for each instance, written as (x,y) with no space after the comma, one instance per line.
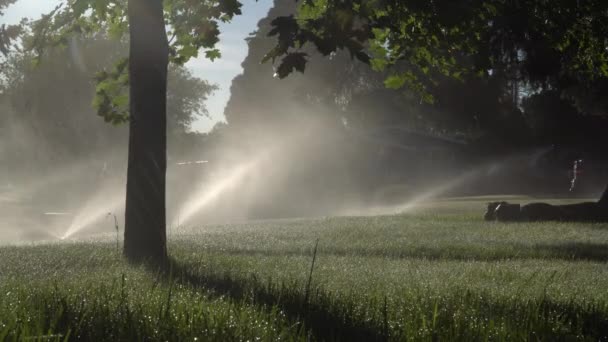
(435,273)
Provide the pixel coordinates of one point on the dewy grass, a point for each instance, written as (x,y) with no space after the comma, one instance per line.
(424,276)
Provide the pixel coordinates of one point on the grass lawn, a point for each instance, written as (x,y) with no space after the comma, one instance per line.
(436,273)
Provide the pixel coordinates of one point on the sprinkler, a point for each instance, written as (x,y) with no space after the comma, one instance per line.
(117,229)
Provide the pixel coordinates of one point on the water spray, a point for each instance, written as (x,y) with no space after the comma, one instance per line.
(206,195)
(439,190)
(94,211)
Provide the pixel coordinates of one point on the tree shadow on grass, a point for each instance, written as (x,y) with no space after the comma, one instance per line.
(313,310)
(324,317)
(571,251)
(583,251)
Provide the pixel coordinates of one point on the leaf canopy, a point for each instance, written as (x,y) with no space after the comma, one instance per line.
(192,26)
(544,42)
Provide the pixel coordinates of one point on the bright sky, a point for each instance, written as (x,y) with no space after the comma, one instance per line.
(220,72)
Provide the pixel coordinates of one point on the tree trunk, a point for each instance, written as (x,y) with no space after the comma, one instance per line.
(145,234)
(604,199)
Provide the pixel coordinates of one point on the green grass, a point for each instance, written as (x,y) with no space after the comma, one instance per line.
(438,273)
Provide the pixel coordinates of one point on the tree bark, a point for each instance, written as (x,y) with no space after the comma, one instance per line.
(604,199)
(145,217)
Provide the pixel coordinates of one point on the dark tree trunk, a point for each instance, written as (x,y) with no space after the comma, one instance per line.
(145,234)
(604,199)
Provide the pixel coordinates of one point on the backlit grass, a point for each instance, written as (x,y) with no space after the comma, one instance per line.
(439,272)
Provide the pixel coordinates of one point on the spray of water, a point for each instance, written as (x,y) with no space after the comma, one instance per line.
(434,192)
(413,203)
(439,190)
(95,210)
(468,176)
(207,194)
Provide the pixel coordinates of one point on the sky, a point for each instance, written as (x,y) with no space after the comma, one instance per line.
(221,72)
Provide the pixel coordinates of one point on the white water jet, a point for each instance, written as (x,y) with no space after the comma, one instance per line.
(426,195)
(95,210)
(438,190)
(206,194)
(488,168)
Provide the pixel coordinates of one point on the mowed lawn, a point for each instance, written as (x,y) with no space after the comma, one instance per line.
(438,272)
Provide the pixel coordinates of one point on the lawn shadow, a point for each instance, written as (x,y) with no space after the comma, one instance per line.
(584,251)
(321,318)
(579,251)
(311,309)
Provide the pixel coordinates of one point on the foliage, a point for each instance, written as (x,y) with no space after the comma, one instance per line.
(52,101)
(111,94)
(544,42)
(418,36)
(186,97)
(318,94)
(440,272)
(341,90)
(549,44)
(8,33)
(193,26)
(4,4)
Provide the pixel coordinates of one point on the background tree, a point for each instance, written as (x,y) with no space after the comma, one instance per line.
(558,45)
(8,33)
(343,87)
(54,121)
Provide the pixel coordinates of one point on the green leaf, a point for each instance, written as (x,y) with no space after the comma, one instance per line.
(273,54)
(188,51)
(379,64)
(293,61)
(213,54)
(121,100)
(395,82)
(80,6)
